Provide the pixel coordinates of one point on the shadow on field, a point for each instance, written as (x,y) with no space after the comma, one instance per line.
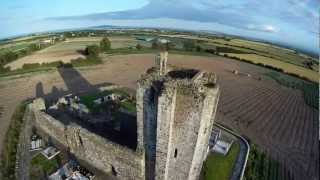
(77,85)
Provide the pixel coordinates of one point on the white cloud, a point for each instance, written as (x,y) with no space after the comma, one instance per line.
(264,28)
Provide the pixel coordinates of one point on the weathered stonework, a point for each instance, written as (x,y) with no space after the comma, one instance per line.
(175,110)
(95,150)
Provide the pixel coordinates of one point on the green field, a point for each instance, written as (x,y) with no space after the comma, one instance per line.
(88,100)
(219,167)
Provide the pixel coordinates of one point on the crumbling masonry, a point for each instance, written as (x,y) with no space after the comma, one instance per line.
(175,113)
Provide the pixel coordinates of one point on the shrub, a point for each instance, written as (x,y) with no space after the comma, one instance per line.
(155,45)
(92,50)
(139,46)
(31,66)
(189,45)
(198,48)
(105,44)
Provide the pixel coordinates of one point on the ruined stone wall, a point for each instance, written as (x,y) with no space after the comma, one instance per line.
(166,108)
(95,150)
(179,108)
(208,110)
(183,138)
(147,102)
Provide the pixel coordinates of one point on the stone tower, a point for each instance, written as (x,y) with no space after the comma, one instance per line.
(175,113)
(161,62)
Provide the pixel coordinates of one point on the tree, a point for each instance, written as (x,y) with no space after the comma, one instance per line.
(92,50)
(139,46)
(33,47)
(198,48)
(170,46)
(154,45)
(189,45)
(105,44)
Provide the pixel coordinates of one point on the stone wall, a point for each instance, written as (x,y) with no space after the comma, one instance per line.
(95,150)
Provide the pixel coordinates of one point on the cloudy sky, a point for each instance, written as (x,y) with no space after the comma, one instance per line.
(293,22)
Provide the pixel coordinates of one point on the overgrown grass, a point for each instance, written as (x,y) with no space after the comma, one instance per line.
(41,166)
(129,106)
(310,90)
(9,151)
(88,100)
(219,167)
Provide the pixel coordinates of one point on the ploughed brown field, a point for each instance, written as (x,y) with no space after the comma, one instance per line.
(274,117)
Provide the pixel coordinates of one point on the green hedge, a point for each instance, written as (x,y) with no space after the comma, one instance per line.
(9,151)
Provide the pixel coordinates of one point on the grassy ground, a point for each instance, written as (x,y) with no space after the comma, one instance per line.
(286,67)
(8,159)
(219,167)
(88,100)
(129,106)
(42,167)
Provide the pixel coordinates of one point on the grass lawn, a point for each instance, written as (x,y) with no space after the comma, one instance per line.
(88,100)
(219,167)
(41,166)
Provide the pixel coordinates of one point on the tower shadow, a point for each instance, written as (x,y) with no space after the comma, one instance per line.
(75,82)
(77,85)
(39,90)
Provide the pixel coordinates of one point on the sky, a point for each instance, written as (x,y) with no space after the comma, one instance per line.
(292,22)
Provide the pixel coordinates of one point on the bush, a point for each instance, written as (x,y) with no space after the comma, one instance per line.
(139,46)
(189,45)
(155,45)
(198,48)
(229,50)
(31,66)
(4,70)
(8,57)
(105,44)
(33,47)
(92,50)
(212,51)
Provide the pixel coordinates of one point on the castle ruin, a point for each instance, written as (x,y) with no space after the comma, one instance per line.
(175,113)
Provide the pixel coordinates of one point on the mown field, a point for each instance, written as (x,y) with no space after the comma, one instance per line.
(286,67)
(290,61)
